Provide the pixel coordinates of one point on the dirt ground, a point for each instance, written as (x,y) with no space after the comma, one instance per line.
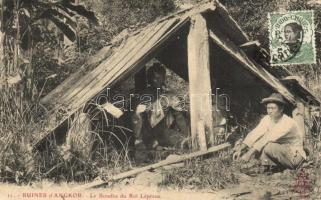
(286,185)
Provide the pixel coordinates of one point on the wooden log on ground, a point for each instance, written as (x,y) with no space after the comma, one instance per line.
(156,165)
(199,81)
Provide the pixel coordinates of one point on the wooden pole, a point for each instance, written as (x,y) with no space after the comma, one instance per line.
(199,82)
(298,115)
(156,165)
(201,134)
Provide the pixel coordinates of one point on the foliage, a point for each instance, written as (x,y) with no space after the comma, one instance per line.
(310,73)
(61,164)
(214,173)
(21,164)
(116,16)
(32,39)
(17,162)
(24,24)
(252,17)
(28,14)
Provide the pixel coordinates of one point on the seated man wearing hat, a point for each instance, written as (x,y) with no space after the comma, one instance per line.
(277,139)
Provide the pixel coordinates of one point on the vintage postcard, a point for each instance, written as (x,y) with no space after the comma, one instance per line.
(160,99)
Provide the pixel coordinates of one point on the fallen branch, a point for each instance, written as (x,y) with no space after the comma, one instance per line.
(156,165)
(241,193)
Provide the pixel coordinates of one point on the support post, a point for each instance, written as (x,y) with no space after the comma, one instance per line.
(298,115)
(200,83)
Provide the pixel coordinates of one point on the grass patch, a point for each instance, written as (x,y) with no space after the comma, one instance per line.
(213,173)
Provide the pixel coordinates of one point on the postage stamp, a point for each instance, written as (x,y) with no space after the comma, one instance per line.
(292,39)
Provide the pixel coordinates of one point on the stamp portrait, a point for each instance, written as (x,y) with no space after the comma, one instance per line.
(292,39)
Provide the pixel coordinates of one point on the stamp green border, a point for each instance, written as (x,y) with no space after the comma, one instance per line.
(313,38)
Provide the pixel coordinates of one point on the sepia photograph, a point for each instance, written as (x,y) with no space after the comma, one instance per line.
(160,99)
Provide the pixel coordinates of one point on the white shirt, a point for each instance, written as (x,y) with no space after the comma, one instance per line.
(285,131)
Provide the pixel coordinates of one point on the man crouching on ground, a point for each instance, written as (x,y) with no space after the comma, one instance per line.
(277,139)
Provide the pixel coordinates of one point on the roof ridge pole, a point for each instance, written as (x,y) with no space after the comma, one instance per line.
(200,83)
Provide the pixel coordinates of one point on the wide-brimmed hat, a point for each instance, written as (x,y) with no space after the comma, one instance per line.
(274,98)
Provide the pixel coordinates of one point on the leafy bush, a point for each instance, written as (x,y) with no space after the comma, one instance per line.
(17,162)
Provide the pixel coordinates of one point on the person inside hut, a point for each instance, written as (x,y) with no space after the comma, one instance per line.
(277,139)
(156,123)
